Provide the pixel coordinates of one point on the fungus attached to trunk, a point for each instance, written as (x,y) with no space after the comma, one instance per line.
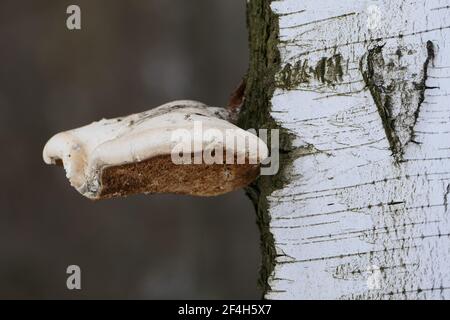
(182,147)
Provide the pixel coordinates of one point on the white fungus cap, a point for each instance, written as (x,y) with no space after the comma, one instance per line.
(86,151)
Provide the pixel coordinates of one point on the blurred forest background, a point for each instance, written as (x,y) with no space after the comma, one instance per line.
(128,57)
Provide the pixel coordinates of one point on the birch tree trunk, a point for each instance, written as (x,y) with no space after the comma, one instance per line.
(360,90)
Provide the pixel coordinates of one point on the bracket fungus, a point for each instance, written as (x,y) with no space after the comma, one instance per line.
(182,147)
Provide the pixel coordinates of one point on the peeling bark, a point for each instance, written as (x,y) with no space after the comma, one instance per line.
(359,209)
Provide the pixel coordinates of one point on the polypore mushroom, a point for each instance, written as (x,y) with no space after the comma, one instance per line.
(138,153)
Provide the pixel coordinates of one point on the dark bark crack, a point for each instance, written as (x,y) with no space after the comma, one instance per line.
(447,193)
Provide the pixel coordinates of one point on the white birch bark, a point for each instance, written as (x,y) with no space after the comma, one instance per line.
(363,87)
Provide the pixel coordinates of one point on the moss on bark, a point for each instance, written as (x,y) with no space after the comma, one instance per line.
(260,86)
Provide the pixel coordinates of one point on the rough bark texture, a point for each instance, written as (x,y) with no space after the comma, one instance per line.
(360,207)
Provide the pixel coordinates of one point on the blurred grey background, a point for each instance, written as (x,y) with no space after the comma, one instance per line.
(128,57)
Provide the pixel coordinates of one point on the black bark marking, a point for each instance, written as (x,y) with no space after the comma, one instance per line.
(374,82)
(398,92)
(447,193)
(328,70)
(422,86)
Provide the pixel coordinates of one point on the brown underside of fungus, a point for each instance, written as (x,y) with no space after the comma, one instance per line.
(140,153)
